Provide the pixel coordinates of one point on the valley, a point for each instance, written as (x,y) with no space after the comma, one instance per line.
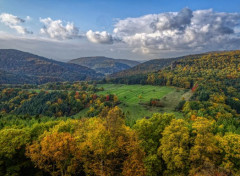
(119,88)
(188,104)
(105,65)
(135,99)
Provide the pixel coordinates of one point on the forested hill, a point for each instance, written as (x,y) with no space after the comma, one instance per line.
(150,66)
(10,78)
(105,65)
(15,64)
(214,79)
(211,68)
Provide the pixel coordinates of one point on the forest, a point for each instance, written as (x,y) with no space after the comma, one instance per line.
(42,132)
(18,67)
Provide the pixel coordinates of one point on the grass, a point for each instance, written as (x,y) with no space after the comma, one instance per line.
(134,97)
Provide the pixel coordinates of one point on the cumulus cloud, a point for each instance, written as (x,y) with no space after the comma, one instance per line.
(57,30)
(166,34)
(99,37)
(184,30)
(14,22)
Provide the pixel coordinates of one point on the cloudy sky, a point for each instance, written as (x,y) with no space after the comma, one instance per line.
(136,29)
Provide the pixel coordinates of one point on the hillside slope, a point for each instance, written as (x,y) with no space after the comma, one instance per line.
(9,78)
(105,65)
(150,66)
(214,79)
(39,69)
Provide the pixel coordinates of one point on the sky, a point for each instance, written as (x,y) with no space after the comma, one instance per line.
(136,29)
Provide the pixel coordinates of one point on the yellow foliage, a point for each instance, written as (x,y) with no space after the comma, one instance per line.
(174,147)
(56,153)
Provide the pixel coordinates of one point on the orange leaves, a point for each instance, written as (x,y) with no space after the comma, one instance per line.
(56,153)
(193,117)
(96,146)
(108,146)
(77,96)
(194,87)
(107,98)
(59,101)
(133,165)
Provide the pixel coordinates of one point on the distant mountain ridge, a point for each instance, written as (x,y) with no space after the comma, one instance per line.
(31,68)
(105,65)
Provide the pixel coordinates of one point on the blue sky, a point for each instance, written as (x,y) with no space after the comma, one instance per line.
(100,14)
(94,24)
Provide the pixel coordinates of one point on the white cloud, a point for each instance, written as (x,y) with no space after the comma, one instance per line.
(153,35)
(184,30)
(99,37)
(55,29)
(14,22)
(28,18)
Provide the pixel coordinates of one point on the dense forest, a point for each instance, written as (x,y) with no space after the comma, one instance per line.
(214,78)
(33,69)
(55,100)
(150,66)
(42,133)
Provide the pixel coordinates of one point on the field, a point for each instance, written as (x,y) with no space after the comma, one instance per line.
(133,99)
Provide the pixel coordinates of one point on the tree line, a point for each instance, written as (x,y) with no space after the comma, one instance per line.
(51,101)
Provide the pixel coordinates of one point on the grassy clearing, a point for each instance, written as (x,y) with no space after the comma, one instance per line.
(81,114)
(133,98)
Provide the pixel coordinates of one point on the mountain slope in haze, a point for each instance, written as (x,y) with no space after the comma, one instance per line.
(36,69)
(105,65)
(10,78)
(149,66)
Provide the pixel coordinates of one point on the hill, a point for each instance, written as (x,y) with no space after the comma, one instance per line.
(36,69)
(214,78)
(209,68)
(105,65)
(150,66)
(9,78)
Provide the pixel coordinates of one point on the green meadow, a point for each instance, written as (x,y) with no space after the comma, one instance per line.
(134,99)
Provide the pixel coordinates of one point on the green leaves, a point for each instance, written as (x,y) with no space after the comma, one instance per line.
(174,147)
(150,132)
(12,140)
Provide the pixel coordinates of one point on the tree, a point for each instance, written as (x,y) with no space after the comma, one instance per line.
(115,99)
(12,149)
(230,146)
(11,140)
(133,165)
(205,153)
(114,121)
(150,132)
(151,79)
(108,147)
(56,153)
(174,147)
(97,147)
